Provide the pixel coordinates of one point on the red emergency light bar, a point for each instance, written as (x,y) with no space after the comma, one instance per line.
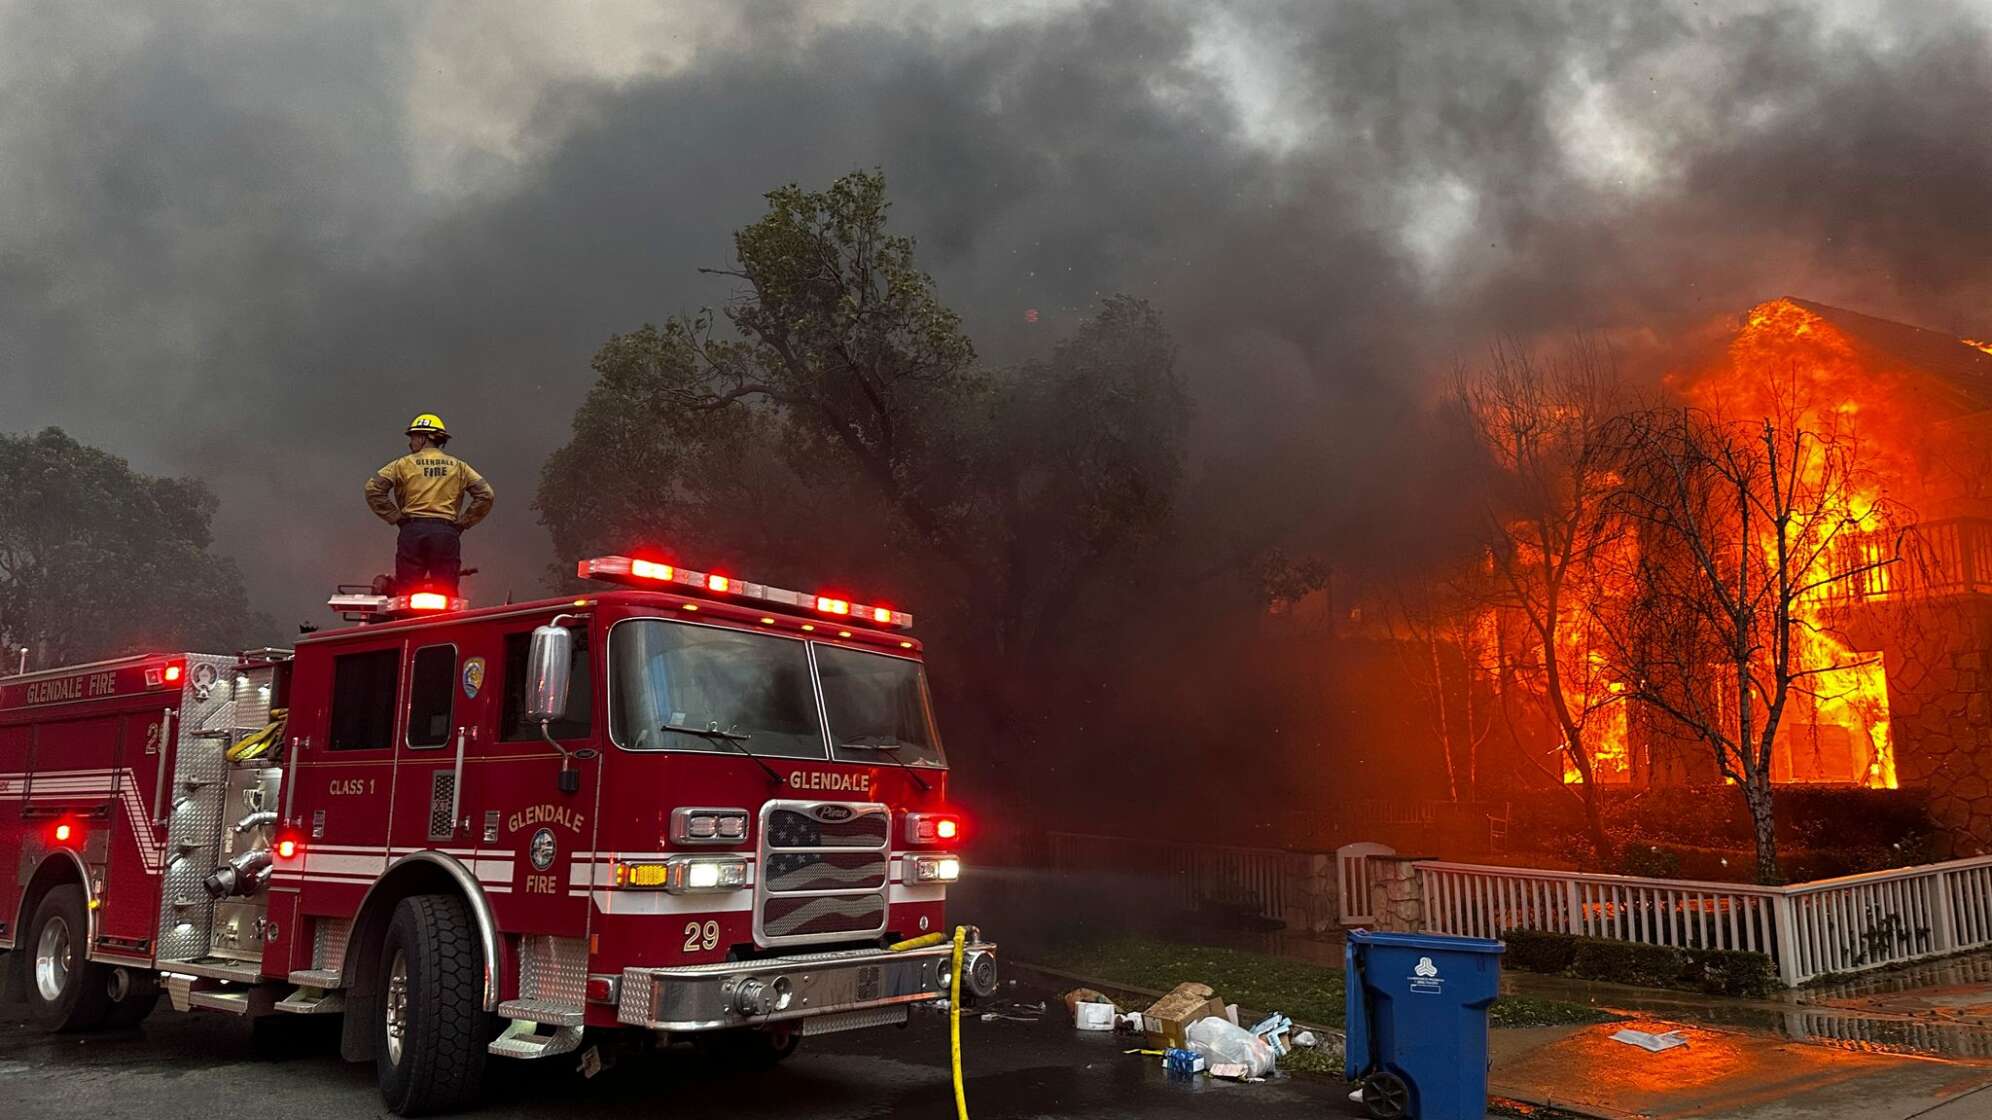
(634,572)
(420,602)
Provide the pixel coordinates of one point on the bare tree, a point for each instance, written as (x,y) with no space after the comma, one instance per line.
(1745,534)
(1437,629)
(1546,426)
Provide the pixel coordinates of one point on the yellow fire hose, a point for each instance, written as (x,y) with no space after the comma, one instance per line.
(954,1022)
(954,1002)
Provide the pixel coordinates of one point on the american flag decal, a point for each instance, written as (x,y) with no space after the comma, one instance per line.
(825,871)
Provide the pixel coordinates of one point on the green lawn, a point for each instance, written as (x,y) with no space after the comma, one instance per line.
(1307,992)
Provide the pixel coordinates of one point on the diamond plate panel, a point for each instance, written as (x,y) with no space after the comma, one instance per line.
(553,970)
(197,792)
(853,1020)
(328,943)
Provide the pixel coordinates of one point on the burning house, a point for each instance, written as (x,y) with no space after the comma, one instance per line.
(1894,636)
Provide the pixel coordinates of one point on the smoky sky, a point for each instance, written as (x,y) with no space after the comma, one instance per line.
(247,243)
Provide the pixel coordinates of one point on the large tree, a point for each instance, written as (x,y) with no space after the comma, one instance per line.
(837,426)
(1546,526)
(97,559)
(1749,530)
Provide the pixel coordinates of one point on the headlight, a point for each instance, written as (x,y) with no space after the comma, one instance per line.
(936,869)
(708,826)
(685,874)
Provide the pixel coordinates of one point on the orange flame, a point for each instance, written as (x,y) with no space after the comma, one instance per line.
(1840,731)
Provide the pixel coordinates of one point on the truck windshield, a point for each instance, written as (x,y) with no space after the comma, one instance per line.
(669,675)
(877,707)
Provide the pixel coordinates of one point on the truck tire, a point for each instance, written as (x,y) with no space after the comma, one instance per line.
(131,999)
(430,1028)
(66,990)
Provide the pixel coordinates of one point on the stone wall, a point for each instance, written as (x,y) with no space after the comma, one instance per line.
(1939,662)
(1396,896)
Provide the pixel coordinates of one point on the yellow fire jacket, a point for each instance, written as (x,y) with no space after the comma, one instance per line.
(429,484)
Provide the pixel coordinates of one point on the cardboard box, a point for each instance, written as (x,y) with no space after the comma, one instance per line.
(1167,1019)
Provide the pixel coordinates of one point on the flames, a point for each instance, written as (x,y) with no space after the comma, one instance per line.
(1787,358)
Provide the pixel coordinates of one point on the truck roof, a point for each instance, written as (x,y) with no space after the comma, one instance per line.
(687,602)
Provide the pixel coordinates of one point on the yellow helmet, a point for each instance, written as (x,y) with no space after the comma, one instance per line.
(428,424)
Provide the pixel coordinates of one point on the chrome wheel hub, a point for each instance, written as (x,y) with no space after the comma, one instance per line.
(396,1008)
(52,960)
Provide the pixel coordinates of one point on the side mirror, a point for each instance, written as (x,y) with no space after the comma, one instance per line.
(548,664)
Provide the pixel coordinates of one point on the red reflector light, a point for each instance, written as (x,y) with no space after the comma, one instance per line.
(645,569)
(828,605)
(718,583)
(173,672)
(428,601)
(600,990)
(946,828)
(286,848)
(63,832)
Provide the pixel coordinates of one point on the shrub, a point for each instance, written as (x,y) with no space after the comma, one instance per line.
(1732,972)
(1726,972)
(1535,951)
(1628,962)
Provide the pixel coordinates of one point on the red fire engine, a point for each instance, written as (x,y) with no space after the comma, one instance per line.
(688,806)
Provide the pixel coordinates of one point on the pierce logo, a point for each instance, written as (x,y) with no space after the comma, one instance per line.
(833,813)
(1426,968)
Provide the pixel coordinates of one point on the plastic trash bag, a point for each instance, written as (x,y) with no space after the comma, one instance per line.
(1227,1043)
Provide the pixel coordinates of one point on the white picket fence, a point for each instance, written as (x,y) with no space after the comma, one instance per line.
(1840,925)
(1353,880)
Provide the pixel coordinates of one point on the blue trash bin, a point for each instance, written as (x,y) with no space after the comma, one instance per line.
(1417,1023)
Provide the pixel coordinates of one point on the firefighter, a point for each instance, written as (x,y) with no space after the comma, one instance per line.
(421,492)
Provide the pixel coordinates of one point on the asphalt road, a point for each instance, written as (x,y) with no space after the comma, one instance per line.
(204,1066)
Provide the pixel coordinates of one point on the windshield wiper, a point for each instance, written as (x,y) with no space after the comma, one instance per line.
(889,747)
(737,738)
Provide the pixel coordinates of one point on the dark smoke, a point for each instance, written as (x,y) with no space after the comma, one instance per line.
(220,255)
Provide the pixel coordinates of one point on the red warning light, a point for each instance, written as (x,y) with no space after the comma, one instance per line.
(828,605)
(428,601)
(286,848)
(63,832)
(718,583)
(173,672)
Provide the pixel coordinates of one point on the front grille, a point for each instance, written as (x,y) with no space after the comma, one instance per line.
(824,871)
(800,828)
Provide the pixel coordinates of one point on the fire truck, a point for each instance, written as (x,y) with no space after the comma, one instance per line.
(686,807)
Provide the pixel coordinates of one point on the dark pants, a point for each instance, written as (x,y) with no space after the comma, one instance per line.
(428,556)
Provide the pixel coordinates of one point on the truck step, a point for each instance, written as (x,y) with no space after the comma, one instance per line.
(316,978)
(541,1011)
(313,1001)
(216,968)
(523,1040)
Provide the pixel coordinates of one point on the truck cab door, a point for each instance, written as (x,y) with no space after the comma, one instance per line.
(433,777)
(544,837)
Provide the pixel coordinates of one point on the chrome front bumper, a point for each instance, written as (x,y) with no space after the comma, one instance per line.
(728,994)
